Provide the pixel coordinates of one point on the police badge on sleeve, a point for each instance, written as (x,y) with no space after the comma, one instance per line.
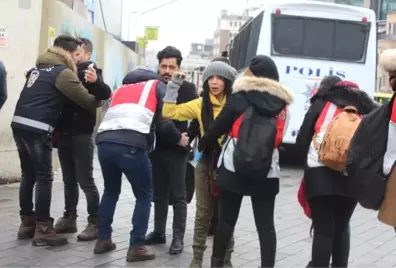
(32,78)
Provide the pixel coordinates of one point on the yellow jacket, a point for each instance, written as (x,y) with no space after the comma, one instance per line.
(192,110)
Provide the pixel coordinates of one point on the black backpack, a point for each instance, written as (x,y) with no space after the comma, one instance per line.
(255,146)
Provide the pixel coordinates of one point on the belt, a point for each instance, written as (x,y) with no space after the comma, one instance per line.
(32,123)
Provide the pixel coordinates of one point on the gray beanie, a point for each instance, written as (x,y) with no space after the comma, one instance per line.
(220,69)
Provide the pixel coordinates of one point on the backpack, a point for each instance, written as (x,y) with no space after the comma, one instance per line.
(255,145)
(333,152)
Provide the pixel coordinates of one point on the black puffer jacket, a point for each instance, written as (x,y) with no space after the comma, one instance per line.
(268,97)
(322,180)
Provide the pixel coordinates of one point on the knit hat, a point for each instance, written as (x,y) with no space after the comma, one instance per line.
(264,66)
(221,69)
(223,59)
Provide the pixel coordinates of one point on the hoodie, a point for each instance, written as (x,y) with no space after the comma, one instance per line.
(160,126)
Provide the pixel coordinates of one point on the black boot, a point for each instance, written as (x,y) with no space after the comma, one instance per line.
(216,263)
(155,239)
(176,247)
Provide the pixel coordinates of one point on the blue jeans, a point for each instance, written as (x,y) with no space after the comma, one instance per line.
(115,160)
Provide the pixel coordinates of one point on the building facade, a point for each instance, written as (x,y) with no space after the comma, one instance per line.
(227,27)
(380,7)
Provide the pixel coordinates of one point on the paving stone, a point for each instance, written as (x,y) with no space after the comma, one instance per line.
(372,245)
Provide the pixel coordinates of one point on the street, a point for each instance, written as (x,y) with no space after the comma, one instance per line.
(373,244)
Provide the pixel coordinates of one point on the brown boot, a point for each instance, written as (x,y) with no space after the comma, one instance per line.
(27,228)
(104,246)
(139,253)
(66,225)
(45,235)
(91,230)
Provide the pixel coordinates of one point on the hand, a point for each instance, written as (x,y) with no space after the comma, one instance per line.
(178,77)
(184,140)
(90,75)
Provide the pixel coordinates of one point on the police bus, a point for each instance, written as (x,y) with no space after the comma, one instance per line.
(309,40)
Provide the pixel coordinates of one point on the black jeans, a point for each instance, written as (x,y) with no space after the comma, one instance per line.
(169,177)
(76,159)
(330,217)
(35,154)
(263,210)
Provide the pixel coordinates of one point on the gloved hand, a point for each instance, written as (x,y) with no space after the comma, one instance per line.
(178,78)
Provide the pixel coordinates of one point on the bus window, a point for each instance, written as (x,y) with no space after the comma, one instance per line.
(320,38)
(244,44)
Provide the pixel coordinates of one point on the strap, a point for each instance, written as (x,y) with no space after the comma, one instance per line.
(315,143)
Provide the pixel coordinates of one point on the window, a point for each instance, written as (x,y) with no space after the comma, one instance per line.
(386,7)
(244,44)
(91,16)
(319,38)
(231,23)
(358,3)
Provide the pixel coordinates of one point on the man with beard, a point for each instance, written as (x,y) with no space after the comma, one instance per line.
(169,164)
(75,149)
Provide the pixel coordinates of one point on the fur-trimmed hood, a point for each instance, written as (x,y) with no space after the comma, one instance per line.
(268,97)
(388,60)
(272,87)
(344,96)
(56,56)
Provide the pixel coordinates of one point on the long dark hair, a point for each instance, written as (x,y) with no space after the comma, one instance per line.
(207,108)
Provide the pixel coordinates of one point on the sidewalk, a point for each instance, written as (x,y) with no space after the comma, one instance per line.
(373,244)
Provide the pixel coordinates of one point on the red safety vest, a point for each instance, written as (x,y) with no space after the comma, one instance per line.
(132,107)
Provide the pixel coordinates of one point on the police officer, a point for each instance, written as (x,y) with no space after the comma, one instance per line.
(49,84)
(3,84)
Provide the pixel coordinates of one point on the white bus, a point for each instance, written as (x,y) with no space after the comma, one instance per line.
(309,40)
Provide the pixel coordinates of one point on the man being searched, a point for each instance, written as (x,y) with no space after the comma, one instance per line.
(49,85)
(125,138)
(76,149)
(170,163)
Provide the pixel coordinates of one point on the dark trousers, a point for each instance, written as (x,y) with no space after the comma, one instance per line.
(169,176)
(35,154)
(263,210)
(330,217)
(134,163)
(76,159)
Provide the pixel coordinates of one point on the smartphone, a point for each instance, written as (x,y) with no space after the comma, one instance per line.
(89,66)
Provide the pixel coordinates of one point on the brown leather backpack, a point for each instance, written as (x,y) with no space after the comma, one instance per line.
(333,152)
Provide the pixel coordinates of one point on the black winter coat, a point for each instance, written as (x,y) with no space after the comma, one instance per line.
(268,97)
(76,120)
(322,180)
(366,157)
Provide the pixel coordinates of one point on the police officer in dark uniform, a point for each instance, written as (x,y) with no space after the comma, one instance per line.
(49,84)
(3,84)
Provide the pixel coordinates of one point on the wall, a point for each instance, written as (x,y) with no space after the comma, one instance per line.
(23,27)
(112,13)
(28,35)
